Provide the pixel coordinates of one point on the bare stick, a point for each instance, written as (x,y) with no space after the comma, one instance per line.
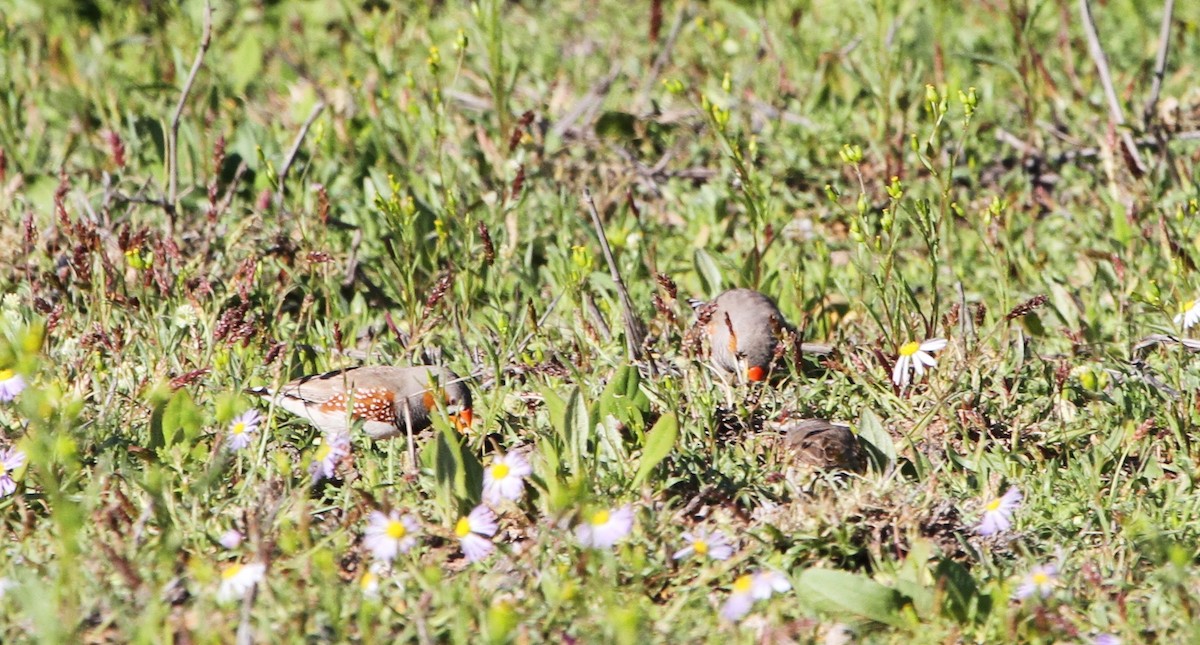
(664,55)
(1084,154)
(173,137)
(412,447)
(1114,104)
(635,333)
(291,157)
(590,101)
(1160,62)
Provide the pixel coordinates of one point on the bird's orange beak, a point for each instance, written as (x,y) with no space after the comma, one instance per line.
(463,419)
(756,373)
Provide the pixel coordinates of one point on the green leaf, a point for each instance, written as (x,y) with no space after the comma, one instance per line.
(458,472)
(659,443)
(610,443)
(710,274)
(178,419)
(624,399)
(878,442)
(247,63)
(556,407)
(577,429)
(961,599)
(850,594)
(616,125)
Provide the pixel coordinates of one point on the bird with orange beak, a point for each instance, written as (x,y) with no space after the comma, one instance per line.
(743,328)
(387,400)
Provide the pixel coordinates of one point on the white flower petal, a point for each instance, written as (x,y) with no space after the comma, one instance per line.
(900,372)
(933,345)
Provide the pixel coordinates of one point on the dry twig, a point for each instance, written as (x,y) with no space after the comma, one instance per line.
(1160,63)
(173,135)
(635,331)
(1114,104)
(291,158)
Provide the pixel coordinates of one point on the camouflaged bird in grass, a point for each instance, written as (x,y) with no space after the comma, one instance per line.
(384,399)
(819,443)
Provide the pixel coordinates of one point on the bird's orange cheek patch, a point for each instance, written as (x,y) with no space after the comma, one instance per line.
(756,373)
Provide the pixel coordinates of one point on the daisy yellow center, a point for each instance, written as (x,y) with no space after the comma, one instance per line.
(500,471)
(367,580)
(700,546)
(1041,579)
(743,584)
(1182,308)
(239,428)
(6,374)
(600,518)
(231,571)
(909,348)
(3,469)
(463,527)
(396,529)
(323,452)
(994,505)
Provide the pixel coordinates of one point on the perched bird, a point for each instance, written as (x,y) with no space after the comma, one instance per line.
(826,445)
(744,327)
(385,399)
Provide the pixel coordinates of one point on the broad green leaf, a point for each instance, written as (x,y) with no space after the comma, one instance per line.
(610,443)
(457,470)
(659,443)
(850,594)
(623,397)
(175,419)
(877,440)
(709,272)
(912,578)
(183,415)
(961,599)
(577,427)
(247,63)
(616,125)
(556,407)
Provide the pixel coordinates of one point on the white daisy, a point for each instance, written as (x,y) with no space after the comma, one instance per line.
(10,460)
(505,478)
(916,355)
(230,539)
(242,429)
(769,582)
(369,584)
(474,532)
(1041,580)
(702,543)
(604,528)
(1189,315)
(237,580)
(751,587)
(334,446)
(389,535)
(11,384)
(997,514)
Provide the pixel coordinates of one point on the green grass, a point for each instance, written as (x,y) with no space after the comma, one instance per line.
(844,157)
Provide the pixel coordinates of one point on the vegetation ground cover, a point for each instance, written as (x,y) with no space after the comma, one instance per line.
(194,206)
